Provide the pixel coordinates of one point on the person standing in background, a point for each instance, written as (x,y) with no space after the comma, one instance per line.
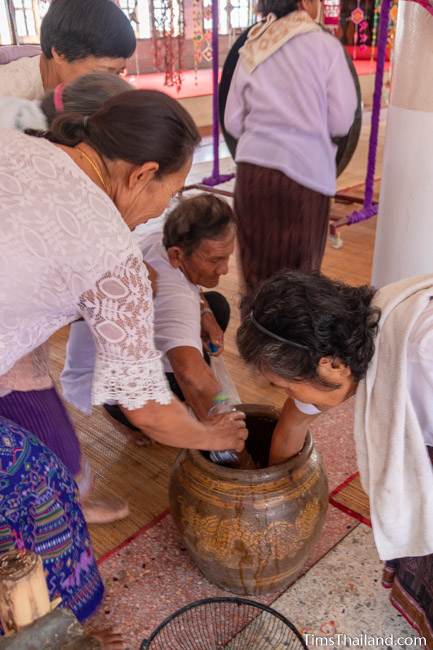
(77,37)
(291,93)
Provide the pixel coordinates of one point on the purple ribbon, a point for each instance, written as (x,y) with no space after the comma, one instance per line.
(216,178)
(370,209)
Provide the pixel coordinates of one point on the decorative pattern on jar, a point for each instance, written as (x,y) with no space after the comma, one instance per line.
(250,531)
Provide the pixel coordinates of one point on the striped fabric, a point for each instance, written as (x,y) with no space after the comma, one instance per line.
(281,224)
(42,413)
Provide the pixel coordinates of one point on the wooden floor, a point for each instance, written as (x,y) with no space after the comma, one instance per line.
(141,475)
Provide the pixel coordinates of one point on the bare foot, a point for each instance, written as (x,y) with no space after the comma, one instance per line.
(109,640)
(104,510)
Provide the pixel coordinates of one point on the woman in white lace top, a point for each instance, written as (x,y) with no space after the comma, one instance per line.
(66,212)
(28,396)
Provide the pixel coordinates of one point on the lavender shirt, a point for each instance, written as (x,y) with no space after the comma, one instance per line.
(285,112)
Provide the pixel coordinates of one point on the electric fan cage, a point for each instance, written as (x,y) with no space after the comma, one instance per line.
(147,643)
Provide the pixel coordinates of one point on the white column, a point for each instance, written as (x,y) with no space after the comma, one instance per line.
(404,238)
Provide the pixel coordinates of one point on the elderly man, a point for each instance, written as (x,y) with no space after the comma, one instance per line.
(191,251)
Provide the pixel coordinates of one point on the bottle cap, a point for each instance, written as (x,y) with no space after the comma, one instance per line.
(220,397)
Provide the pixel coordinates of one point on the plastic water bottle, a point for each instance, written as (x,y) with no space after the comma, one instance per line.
(223,404)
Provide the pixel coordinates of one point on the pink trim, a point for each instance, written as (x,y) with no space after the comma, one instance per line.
(137,534)
(345,509)
(395,604)
(426,4)
(414,604)
(58,98)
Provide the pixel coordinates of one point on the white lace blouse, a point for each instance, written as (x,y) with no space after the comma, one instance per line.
(65,251)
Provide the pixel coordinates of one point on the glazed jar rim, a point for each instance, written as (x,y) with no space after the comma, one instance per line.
(261,474)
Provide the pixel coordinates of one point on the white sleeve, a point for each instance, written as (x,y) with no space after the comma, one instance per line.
(342,98)
(177,321)
(119,312)
(235,111)
(21,114)
(308,409)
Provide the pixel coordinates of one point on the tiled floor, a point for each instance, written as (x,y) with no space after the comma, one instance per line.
(342,595)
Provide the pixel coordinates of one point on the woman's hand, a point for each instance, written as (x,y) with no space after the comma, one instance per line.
(227,431)
(171,424)
(212,334)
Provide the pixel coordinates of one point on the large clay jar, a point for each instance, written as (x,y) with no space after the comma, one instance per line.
(250,531)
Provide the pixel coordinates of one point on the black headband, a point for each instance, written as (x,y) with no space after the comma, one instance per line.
(277,337)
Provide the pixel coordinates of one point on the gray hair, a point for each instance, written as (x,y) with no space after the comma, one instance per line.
(86,94)
(297,318)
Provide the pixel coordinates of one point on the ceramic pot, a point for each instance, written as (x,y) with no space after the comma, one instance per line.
(250,531)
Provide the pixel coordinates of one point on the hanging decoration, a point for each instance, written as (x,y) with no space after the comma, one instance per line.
(392,24)
(197,34)
(207,39)
(331,14)
(357,17)
(363,36)
(168,35)
(202,36)
(376,14)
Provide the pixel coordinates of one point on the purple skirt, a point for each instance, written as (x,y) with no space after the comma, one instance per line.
(42,413)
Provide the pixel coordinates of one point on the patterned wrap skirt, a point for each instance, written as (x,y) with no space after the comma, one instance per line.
(39,511)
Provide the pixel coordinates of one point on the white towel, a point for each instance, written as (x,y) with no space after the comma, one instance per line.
(394,465)
(21,114)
